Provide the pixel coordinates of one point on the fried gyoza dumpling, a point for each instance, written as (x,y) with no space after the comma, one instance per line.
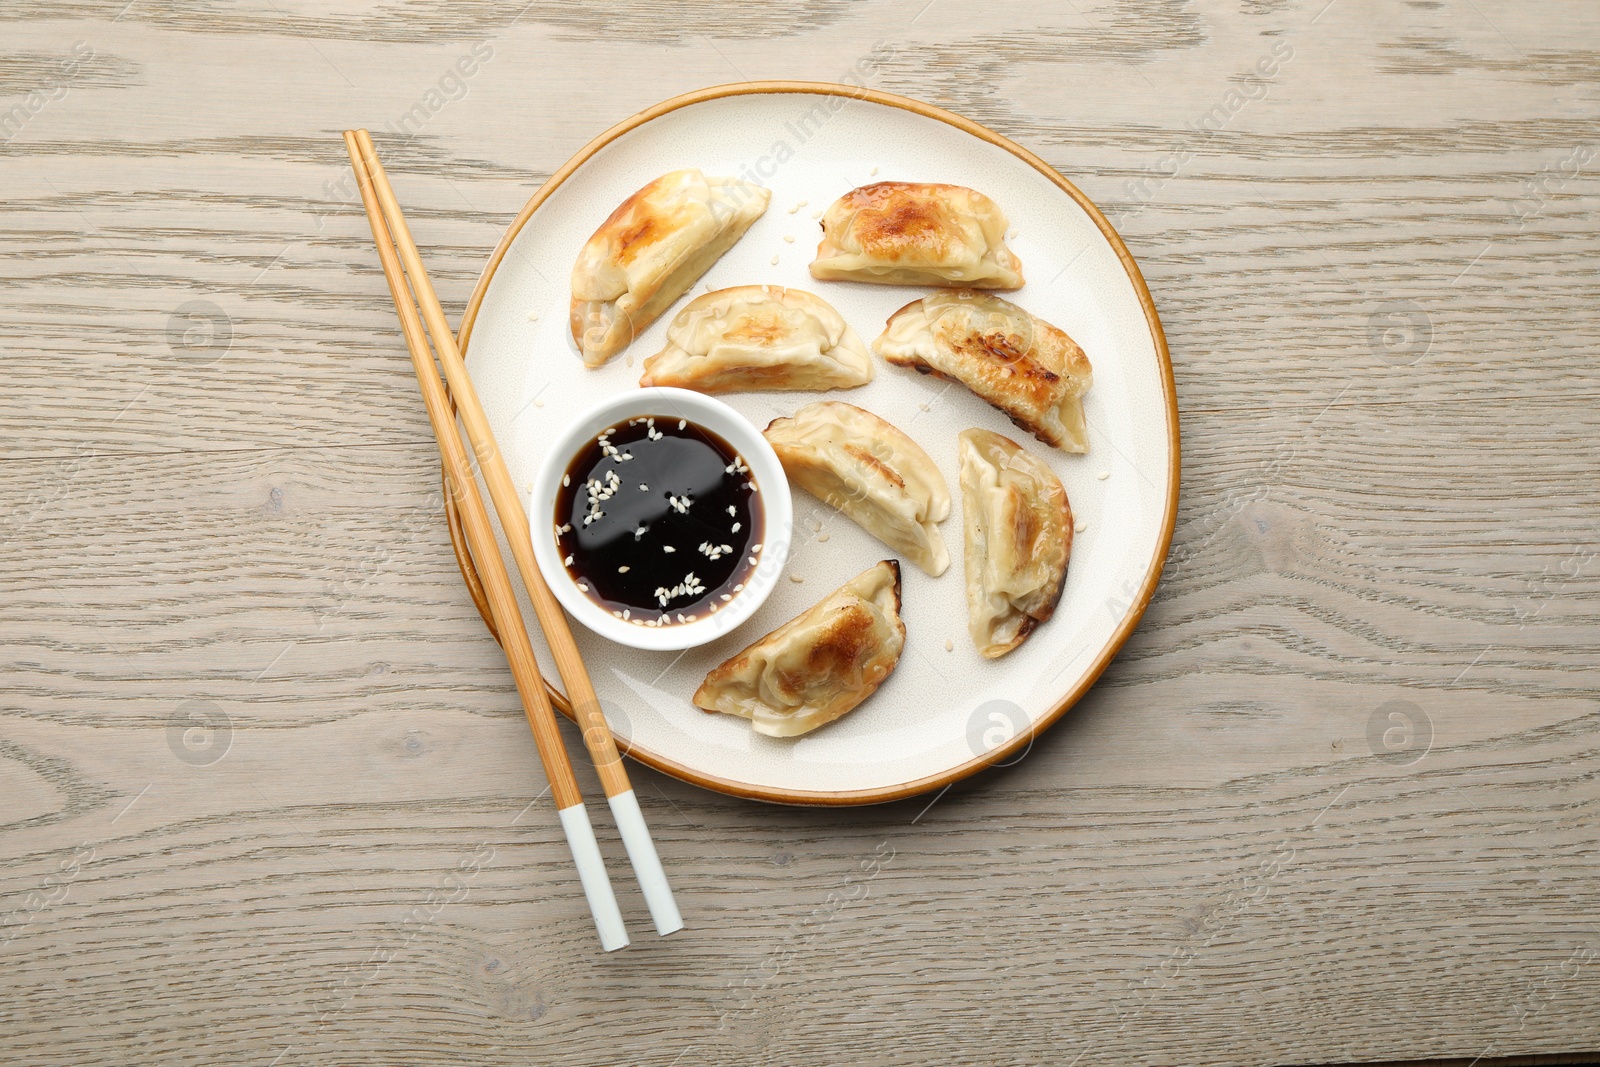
(908,233)
(1018,540)
(818,665)
(759,337)
(1021,364)
(650,251)
(876,475)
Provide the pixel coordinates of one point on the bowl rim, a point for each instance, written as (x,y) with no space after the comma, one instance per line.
(776,502)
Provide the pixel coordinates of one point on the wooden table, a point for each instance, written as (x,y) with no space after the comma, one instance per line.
(268,796)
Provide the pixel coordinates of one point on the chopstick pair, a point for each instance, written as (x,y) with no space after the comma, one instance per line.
(403,269)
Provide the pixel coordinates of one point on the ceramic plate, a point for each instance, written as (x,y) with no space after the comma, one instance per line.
(945,712)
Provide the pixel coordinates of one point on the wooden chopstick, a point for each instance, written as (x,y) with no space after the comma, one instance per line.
(496,582)
(514,521)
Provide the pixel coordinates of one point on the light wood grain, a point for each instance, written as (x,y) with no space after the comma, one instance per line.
(1206,862)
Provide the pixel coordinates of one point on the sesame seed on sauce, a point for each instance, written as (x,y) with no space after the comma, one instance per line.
(685,474)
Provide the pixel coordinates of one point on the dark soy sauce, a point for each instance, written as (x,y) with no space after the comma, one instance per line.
(660,521)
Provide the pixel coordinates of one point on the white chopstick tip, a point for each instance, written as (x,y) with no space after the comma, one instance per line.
(592,873)
(646,863)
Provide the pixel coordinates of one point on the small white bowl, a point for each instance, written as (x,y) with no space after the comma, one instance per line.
(732,427)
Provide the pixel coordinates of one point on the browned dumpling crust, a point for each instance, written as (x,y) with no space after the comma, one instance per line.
(916,233)
(871,471)
(651,249)
(759,337)
(817,666)
(1018,540)
(1016,361)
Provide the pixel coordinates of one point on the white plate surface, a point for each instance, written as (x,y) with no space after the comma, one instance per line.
(942,708)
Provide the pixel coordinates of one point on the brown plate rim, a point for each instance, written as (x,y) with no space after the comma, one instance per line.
(1169,389)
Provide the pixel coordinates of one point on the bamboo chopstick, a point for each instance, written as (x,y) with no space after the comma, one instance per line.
(514,521)
(497,585)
